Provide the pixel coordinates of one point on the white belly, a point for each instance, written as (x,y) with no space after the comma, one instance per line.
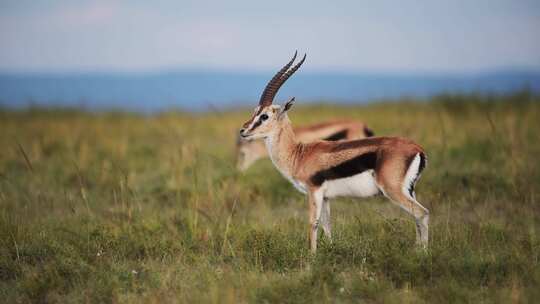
(360,185)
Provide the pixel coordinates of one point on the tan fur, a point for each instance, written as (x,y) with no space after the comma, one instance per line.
(249,151)
(323,169)
(299,161)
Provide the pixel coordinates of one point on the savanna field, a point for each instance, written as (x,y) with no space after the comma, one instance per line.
(129,208)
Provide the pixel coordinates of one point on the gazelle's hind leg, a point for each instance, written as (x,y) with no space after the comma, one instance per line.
(400,190)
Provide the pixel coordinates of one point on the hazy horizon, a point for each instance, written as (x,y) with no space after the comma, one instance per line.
(138,55)
(210,90)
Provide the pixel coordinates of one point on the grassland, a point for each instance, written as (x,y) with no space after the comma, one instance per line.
(119,207)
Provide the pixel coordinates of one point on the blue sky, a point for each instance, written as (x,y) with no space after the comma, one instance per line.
(398,36)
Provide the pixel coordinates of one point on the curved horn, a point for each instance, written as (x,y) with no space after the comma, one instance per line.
(273,85)
(286,76)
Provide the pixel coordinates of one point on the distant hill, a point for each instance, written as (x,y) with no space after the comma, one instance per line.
(200,90)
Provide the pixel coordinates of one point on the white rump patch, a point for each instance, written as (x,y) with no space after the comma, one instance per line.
(411,176)
(359,185)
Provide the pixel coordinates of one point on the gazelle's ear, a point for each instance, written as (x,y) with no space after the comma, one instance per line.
(287,106)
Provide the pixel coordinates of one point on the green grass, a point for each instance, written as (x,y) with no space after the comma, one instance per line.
(119,207)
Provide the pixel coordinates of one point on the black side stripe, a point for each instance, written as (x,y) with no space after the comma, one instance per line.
(337,136)
(348,168)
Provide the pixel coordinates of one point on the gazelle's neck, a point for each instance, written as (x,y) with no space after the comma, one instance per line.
(282,146)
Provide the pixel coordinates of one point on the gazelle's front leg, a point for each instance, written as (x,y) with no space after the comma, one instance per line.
(315,201)
(325,219)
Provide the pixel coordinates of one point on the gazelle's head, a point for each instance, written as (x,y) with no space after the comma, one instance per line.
(267,117)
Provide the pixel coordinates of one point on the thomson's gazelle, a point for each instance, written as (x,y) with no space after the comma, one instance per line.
(248,151)
(325,169)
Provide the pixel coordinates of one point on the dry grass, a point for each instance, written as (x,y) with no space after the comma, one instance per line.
(117,207)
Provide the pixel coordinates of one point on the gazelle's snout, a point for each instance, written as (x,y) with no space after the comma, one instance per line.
(243,132)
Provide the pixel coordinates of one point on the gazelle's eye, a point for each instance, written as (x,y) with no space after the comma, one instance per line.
(264,117)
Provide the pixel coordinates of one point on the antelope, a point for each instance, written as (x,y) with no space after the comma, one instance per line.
(249,151)
(323,170)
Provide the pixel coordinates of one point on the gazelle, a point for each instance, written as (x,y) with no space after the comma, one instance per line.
(248,151)
(324,169)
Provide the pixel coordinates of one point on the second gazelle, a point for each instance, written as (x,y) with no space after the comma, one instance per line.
(325,169)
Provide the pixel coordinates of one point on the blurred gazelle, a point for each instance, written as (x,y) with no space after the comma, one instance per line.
(325,169)
(248,151)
